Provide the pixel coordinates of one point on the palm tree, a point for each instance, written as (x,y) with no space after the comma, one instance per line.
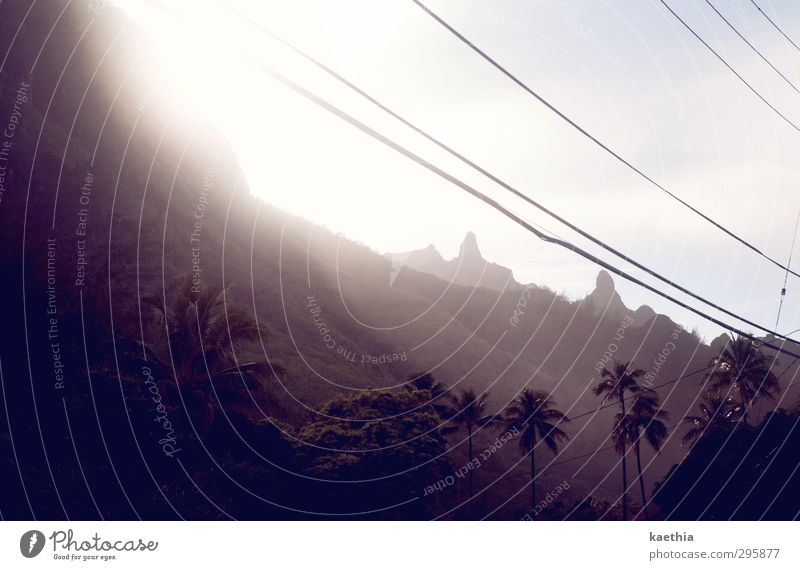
(645,420)
(205,341)
(532,413)
(616,384)
(716,410)
(426,381)
(745,370)
(469,411)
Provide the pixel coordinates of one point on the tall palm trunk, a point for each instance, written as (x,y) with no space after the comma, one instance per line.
(641,480)
(624,464)
(533,479)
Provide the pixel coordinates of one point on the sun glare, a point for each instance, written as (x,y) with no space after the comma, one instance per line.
(211,58)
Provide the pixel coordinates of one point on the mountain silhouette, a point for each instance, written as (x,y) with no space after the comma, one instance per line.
(606,301)
(469,268)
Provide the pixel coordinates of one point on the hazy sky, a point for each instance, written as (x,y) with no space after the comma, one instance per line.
(626,70)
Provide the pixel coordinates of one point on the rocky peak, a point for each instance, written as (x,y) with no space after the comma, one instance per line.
(605,298)
(643,315)
(469,247)
(604,284)
(469,268)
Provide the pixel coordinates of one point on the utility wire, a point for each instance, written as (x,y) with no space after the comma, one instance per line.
(730,67)
(687,375)
(594,139)
(634,396)
(320,65)
(319,101)
(786,277)
(774,25)
(768,62)
(575,458)
(582,456)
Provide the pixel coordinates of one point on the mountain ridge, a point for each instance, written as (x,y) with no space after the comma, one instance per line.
(470,269)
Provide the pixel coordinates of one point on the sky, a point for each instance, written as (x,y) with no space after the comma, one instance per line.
(627,71)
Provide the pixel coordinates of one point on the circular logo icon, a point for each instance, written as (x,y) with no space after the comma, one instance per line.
(31,543)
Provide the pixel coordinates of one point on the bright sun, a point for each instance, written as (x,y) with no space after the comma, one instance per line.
(296,155)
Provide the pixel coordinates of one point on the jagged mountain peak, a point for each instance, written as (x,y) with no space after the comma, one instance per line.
(643,315)
(607,301)
(469,268)
(605,298)
(604,284)
(469,247)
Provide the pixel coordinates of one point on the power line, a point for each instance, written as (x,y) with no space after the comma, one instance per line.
(331,108)
(687,375)
(608,405)
(575,458)
(776,26)
(584,455)
(730,67)
(768,62)
(594,139)
(320,65)
(786,277)
(633,396)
